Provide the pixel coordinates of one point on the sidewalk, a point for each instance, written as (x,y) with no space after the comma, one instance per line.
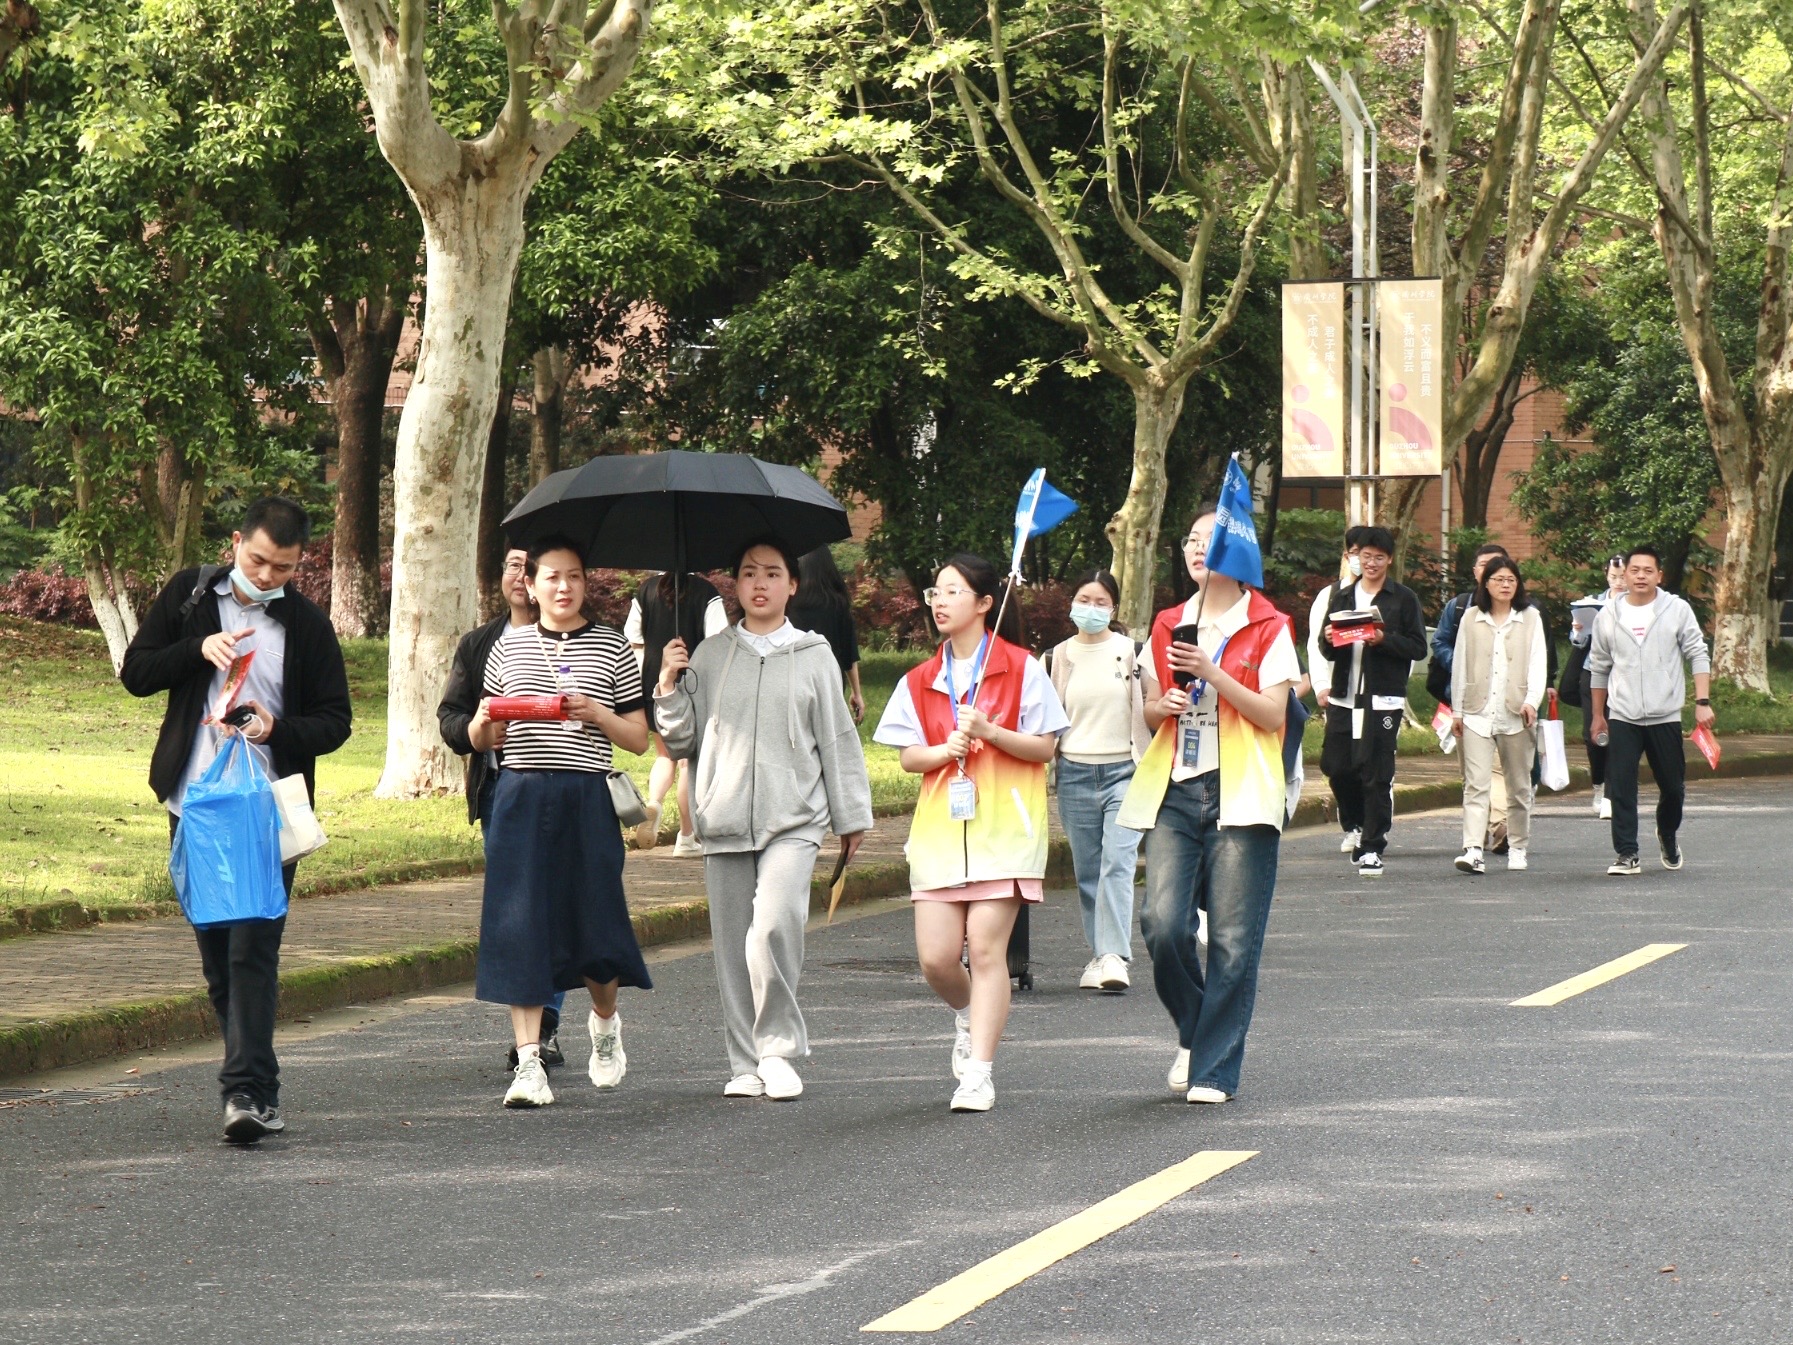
(112,988)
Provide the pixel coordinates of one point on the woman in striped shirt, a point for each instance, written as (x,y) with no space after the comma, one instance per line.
(554,916)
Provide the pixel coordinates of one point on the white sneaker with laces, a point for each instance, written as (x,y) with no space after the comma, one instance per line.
(782,1083)
(608,1062)
(1350,841)
(961,1044)
(687,847)
(745,1085)
(1204,1093)
(529,1085)
(647,831)
(1092,975)
(1179,1072)
(1470,861)
(977,1094)
(1516,857)
(1113,978)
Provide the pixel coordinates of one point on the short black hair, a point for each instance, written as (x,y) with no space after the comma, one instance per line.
(1644,549)
(554,541)
(793,563)
(1488,549)
(1379,538)
(283,521)
(1354,535)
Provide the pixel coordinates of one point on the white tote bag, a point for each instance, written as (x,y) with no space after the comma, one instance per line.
(300,834)
(1553,758)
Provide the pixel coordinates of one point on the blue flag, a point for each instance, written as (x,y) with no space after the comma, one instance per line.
(1234,551)
(1041,508)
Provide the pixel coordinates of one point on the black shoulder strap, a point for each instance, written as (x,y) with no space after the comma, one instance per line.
(207,573)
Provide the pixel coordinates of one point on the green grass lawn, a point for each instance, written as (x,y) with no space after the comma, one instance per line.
(78,821)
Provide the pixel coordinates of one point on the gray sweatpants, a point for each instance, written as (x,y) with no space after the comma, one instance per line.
(759,903)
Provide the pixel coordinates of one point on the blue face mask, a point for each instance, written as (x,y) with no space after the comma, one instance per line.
(1089,618)
(250,591)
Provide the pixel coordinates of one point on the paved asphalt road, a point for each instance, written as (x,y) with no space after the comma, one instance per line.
(1433,1165)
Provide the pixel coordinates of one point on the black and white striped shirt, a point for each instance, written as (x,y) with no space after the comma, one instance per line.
(529,661)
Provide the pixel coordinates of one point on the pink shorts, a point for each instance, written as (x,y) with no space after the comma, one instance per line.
(990,889)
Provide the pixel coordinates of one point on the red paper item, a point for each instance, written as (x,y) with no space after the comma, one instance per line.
(235,679)
(511,708)
(1708,745)
(1441,721)
(1345,636)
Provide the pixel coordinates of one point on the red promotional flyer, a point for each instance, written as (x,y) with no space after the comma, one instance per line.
(234,681)
(1349,628)
(511,708)
(1708,745)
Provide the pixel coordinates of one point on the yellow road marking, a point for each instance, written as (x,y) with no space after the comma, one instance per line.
(948,1302)
(1600,975)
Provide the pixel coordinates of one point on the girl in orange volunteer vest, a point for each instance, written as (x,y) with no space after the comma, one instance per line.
(1210,795)
(977,845)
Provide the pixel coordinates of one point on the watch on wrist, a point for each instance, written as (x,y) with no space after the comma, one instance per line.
(1704,700)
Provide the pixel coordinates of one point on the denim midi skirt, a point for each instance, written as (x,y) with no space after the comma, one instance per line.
(554,912)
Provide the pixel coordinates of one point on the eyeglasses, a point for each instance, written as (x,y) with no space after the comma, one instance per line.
(928,595)
(515,566)
(1198,541)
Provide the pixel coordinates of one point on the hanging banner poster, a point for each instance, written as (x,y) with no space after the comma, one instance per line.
(1410,318)
(1313,380)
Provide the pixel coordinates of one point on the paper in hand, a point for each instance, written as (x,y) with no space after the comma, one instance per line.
(837,881)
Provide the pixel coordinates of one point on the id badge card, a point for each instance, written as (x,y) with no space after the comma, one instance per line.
(961,798)
(569,686)
(1191,754)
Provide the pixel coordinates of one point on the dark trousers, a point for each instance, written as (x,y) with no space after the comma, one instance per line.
(1596,753)
(242,978)
(1361,772)
(1660,745)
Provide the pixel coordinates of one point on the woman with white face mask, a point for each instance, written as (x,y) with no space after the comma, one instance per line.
(1096,675)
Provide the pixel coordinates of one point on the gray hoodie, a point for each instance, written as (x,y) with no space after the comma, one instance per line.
(1643,681)
(777,752)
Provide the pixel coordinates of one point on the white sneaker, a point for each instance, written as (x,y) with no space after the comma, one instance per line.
(1179,1072)
(529,1086)
(961,1044)
(647,831)
(687,847)
(1113,979)
(782,1083)
(1605,810)
(1203,1093)
(978,1095)
(608,1062)
(1470,861)
(745,1085)
(1092,975)
(1516,857)
(1601,806)
(1350,841)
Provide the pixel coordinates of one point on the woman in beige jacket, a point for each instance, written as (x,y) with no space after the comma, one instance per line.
(1498,680)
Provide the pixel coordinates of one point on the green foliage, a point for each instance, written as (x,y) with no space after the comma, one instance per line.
(1308,543)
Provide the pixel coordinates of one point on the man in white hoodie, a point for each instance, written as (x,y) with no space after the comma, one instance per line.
(1634,664)
(779,764)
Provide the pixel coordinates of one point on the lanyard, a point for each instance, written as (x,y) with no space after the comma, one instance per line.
(1199,688)
(977,667)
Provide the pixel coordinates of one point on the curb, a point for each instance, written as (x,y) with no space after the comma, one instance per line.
(125,1028)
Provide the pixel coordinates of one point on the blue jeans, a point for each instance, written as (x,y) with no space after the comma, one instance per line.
(1104,853)
(1191,865)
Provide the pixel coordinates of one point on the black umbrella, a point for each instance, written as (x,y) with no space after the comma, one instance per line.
(678,511)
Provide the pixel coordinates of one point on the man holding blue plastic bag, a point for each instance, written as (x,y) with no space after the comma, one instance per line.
(256,691)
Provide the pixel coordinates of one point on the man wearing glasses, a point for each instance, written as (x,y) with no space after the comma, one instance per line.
(460,700)
(1368,697)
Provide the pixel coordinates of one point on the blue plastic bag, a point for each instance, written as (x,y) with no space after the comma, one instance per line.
(225,860)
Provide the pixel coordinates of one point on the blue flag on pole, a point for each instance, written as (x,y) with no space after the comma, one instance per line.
(1041,508)
(1234,551)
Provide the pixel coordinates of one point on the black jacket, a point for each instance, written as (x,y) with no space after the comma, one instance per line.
(314,719)
(460,699)
(1386,666)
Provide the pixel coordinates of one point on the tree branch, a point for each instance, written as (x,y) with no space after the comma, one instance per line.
(1111,162)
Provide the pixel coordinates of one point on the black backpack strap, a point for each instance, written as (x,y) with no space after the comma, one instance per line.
(207,574)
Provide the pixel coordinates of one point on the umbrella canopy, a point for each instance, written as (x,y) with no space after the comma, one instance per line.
(678,511)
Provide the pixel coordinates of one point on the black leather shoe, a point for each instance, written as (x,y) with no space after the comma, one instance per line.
(552,1055)
(246,1120)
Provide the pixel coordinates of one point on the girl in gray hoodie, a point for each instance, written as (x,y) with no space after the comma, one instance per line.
(778,765)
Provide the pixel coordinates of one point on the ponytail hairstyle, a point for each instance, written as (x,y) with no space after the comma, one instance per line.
(982,579)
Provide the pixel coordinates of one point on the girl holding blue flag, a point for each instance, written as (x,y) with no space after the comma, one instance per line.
(1210,791)
(978,722)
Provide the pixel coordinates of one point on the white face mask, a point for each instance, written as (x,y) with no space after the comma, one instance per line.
(1353,564)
